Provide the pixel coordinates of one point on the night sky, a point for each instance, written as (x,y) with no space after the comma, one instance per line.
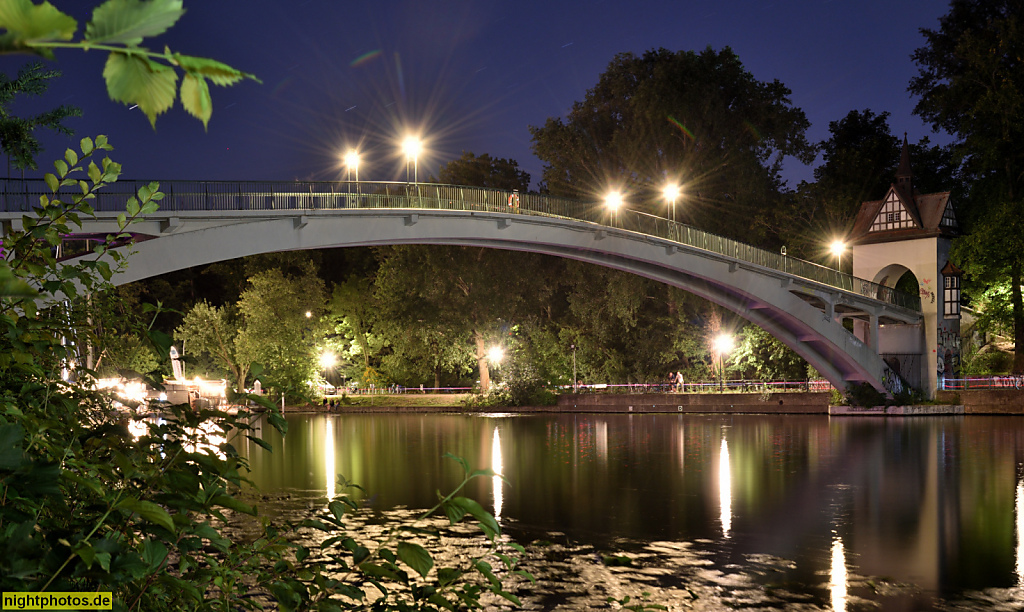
(467,75)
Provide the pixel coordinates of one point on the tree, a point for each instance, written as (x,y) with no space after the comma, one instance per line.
(353,312)
(16,133)
(282,327)
(484,171)
(214,331)
(765,357)
(699,119)
(971,84)
(859,160)
(134,75)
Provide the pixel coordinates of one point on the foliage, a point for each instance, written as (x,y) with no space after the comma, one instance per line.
(449,295)
(282,326)
(859,161)
(971,85)
(86,506)
(134,75)
(765,357)
(700,119)
(484,171)
(16,133)
(628,328)
(214,331)
(864,395)
(352,312)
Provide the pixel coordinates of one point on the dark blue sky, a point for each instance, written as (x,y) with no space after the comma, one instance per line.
(468,74)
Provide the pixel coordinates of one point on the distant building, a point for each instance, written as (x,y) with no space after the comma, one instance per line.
(910,233)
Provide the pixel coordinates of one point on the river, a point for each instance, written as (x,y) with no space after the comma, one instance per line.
(715,512)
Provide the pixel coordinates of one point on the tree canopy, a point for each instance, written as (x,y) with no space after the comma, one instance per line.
(697,119)
(971,84)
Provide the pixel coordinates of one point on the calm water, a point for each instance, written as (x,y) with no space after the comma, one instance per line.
(787,512)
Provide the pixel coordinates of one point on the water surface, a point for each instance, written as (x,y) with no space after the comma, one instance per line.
(767,512)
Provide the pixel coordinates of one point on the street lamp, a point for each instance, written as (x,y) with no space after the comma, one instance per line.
(412,148)
(613,201)
(723,344)
(327,361)
(672,192)
(837,247)
(352,163)
(496,354)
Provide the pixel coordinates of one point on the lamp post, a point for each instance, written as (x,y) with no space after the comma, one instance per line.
(671,192)
(837,247)
(352,163)
(723,345)
(412,148)
(613,201)
(327,361)
(573,347)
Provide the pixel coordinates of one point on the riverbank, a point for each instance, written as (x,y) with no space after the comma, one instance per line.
(979,401)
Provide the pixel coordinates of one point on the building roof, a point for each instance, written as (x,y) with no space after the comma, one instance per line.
(927,211)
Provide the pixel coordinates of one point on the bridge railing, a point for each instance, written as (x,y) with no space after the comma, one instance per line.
(21,195)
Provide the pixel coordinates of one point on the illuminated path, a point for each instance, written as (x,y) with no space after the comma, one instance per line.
(798,302)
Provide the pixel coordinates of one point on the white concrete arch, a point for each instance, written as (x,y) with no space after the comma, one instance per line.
(799,312)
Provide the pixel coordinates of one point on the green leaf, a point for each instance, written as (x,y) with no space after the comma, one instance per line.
(129,21)
(86,145)
(153,553)
(486,520)
(277,422)
(51,182)
(94,173)
(26,22)
(161,342)
(459,460)
(226,501)
(71,157)
(337,509)
(416,557)
(195,97)
(448,575)
(378,571)
(134,79)
(221,74)
(11,437)
(149,511)
(261,443)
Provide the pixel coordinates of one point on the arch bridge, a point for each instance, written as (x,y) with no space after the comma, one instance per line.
(799,302)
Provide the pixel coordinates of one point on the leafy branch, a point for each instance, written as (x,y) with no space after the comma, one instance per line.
(134,74)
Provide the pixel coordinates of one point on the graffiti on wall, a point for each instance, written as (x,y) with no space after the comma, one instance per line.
(947,352)
(926,291)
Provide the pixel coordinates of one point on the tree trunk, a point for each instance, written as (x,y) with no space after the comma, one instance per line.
(481,361)
(1018,317)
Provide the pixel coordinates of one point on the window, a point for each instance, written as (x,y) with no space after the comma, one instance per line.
(892,216)
(948,219)
(951,297)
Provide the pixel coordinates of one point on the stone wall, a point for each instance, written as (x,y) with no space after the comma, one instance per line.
(985,401)
(750,403)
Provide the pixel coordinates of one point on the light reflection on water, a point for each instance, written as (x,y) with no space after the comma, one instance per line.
(725,488)
(498,467)
(837,576)
(764,511)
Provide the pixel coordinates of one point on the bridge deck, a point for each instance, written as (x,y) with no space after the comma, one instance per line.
(229,199)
